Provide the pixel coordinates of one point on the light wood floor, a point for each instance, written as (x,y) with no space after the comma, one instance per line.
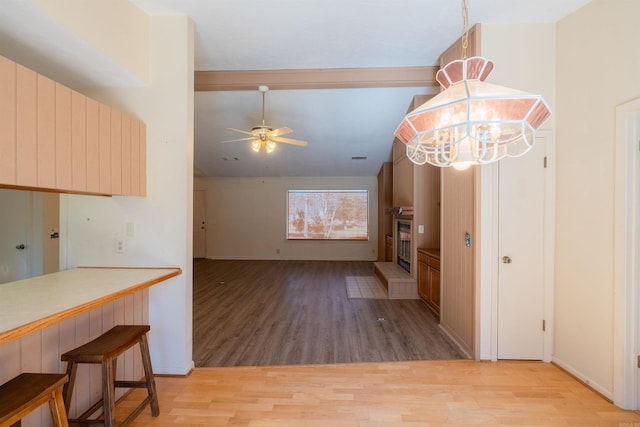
(258,313)
(424,393)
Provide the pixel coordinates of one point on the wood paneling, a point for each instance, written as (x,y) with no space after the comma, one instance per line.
(136,158)
(116,152)
(385,202)
(26,127)
(93,146)
(79,141)
(63,165)
(142,190)
(40,351)
(46,128)
(7,121)
(104,144)
(127,169)
(457,219)
(454,51)
(54,138)
(402,176)
(457,260)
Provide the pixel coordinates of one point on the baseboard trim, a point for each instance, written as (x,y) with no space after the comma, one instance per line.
(584,379)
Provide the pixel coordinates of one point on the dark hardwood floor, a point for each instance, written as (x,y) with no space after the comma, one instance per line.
(257,313)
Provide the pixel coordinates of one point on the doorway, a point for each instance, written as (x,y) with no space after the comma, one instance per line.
(29,223)
(626,334)
(199,224)
(523,268)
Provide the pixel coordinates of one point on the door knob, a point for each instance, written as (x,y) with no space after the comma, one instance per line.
(21,247)
(506,260)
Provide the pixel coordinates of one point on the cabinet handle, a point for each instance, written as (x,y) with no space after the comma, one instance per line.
(506,260)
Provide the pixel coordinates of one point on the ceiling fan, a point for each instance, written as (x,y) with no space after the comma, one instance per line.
(265,137)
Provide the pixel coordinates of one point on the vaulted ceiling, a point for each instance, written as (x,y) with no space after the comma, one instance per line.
(341,73)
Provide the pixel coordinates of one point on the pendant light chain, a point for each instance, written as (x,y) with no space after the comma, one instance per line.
(465,34)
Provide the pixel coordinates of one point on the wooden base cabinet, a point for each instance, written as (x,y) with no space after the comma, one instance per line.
(429,278)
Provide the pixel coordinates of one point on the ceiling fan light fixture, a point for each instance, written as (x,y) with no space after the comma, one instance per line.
(264,136)
(471,121)
(269,146)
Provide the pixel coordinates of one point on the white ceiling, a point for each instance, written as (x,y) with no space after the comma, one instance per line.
(284,35)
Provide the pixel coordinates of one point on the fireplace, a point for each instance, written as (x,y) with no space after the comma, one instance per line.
(403,244)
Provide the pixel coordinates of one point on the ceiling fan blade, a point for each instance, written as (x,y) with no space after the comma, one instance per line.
(280,131)
(289,141)
(239,139)
(241,131)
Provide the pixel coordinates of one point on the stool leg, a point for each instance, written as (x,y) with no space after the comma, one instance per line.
(56,407)
(67,391)
(108,394)
(148,373)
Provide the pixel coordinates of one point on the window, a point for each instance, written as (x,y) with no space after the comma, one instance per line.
(328,215)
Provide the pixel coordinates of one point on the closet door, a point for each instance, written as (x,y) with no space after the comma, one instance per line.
(521,286)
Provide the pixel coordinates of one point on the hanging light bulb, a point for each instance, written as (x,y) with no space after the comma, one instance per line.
(471,121)
(255,145)
(270,146)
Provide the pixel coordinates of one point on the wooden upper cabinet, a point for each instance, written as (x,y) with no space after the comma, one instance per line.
(63,167)
(78,141)
(7,121)
(126,154)
(93,146)
(46,132)
(56,139)
(104,148)
(26,127)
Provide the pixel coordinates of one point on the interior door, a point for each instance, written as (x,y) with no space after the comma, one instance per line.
(521,252)
(15,212)
(199,224)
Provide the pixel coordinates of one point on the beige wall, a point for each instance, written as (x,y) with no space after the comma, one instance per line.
(598,68)
(161,223)
(116,27)
(246,219)
(525,58)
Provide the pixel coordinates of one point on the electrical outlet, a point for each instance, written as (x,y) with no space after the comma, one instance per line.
(120,246)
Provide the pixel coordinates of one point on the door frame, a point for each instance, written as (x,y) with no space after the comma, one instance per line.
(489,255)
(626,332)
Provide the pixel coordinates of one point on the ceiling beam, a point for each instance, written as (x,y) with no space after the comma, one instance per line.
(329,78)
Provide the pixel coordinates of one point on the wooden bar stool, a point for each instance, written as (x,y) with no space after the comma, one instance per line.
(27,392)
(104,350)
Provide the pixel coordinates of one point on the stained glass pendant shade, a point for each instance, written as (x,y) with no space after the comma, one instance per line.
(471,121)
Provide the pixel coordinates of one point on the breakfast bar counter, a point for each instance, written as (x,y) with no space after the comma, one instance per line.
(32,304)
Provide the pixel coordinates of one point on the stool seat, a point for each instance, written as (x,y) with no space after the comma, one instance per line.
(28,391)
(108,345)
(104,350)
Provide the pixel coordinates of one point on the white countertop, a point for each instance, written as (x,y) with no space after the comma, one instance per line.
(35,303)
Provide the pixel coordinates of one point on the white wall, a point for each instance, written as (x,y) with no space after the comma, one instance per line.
(246,219)
(162,221)
(598,68)
(525,58)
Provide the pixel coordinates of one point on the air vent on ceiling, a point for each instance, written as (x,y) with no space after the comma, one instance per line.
(359,158)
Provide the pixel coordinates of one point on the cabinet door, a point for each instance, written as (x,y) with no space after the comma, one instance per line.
(46,132)
(434,288)
(423,281)
(78,141)
(7,121)
(26,125)
(63,165)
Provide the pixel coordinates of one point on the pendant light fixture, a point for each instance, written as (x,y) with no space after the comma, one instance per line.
(471,121)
